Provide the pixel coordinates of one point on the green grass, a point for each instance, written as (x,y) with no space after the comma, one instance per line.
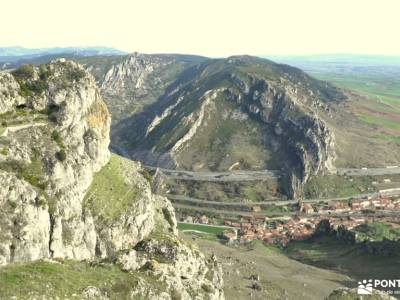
(65,279)
(32,173)
(202,228)
(55,136)
(29,87)
(110,194)
(330,253)
(377,231)
(337,186)
(386,86)
(380,121)
(394,139)
(383,91)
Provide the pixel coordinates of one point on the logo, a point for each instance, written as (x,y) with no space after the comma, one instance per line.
(365,287)
(386,286)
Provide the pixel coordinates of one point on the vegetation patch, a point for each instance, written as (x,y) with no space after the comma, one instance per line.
(337,186)
(28,86)
(234,191)
(31,173)
(110,194)
(61,155)
(377,231)
(202,228)
(351,259)
(65,278)
(55,136)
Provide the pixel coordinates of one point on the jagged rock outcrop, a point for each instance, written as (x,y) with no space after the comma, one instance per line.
(206,116)
(184,270)
(290,109)
(130,82)
(9,97)
(130,76)
(61,194)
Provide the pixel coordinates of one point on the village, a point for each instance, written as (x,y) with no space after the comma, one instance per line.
(302,225)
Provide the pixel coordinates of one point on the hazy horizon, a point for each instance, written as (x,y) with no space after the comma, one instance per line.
(215,29)
(196,54)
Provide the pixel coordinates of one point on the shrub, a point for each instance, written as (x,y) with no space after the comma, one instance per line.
(55,135)
(146,175)
(13,204)
(44,73)
(61,155)
(4,151)
(207,288)
(24,76)
(76,74)
(24,72)
(40,202)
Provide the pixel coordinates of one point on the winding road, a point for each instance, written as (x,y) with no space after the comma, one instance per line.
(389,170)
(265,174)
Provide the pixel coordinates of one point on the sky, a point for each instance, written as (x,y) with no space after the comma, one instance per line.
(206,27)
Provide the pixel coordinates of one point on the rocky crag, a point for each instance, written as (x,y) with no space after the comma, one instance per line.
(130,82)
(217,108)
(64,197)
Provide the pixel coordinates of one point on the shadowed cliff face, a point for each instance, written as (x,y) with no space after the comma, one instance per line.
(62,195)
(240,111)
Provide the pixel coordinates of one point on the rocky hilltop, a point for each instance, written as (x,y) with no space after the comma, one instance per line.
(128,83)
(65,199)
(241,112)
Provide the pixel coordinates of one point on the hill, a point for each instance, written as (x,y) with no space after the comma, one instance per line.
(75,220)
(240,112)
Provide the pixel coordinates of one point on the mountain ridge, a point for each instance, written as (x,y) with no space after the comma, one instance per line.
(67,201)
(255,89)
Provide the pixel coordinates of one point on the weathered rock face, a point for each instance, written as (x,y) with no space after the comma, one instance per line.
(61,153)
(291,111)
(61,196)
(129,82)
(211,110)
(25,225)
(185,271)
(130,76)
(9,97)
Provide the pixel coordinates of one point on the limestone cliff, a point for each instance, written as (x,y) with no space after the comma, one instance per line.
(240,111)
(63,197)
(127,83)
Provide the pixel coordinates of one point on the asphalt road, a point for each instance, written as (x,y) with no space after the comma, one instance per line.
(220,176)
(265,174)
(184,199)
(380,213)
(256,175)
(390,170)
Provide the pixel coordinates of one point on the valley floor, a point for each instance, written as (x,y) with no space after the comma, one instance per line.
(279,276)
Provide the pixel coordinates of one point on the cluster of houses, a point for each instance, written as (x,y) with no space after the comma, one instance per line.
(200,219)
(366,203)
(282,231)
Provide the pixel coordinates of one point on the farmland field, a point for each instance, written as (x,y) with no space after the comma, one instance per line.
(202,228)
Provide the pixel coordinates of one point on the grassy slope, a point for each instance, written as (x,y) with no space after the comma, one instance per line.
(345,258)
(110,193)
(377,231)
(280,277)
(207,229)
(381,107)
(66,279)
(337,186)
